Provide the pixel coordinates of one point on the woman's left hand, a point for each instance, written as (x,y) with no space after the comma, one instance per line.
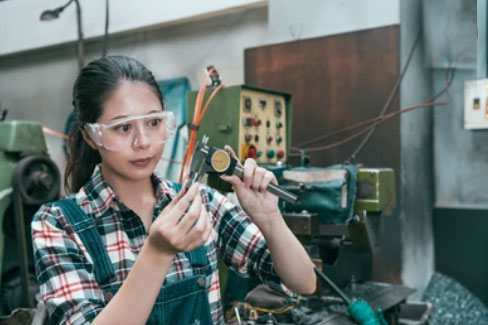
(259,204)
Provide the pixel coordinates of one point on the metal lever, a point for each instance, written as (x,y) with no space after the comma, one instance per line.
(272,188)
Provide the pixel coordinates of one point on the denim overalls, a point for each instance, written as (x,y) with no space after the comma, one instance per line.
(183,302)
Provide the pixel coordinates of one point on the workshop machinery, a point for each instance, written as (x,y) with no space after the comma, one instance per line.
(28,179)
(336,208)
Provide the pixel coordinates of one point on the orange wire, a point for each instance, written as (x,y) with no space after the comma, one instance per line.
(47,130)
(198,115)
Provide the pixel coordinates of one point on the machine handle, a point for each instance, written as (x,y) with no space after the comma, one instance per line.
(272,188)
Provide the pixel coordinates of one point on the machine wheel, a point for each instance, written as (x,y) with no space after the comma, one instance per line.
(36,177)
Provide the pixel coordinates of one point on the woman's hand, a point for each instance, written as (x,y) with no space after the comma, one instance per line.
(174,230)
(259,204)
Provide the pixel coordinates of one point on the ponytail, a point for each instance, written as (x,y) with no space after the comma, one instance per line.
(82,160)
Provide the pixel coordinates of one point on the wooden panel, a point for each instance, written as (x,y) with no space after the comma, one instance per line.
(336,81)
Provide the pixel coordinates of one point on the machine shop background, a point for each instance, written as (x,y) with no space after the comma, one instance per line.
(440,221)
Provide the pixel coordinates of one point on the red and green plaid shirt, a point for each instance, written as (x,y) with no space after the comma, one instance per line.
(65,269)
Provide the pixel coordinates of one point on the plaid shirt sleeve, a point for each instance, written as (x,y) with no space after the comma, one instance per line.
(67,283)
(240,243)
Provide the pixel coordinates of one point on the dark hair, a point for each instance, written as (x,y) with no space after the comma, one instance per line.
(94,84)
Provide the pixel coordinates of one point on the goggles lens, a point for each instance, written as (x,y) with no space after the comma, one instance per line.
(153,128)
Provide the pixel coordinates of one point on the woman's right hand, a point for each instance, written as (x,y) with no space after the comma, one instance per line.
(174,230)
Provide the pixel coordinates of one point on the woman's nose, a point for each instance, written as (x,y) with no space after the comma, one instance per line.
(141,140)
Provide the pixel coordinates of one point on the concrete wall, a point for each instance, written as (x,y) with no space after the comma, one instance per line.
(416,156)
(28,32)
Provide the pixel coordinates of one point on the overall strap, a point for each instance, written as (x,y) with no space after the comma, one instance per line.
(86,229)
(198,256)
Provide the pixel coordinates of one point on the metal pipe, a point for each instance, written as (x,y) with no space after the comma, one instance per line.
(22,248)
(272,188)
(332,285)
(81,54)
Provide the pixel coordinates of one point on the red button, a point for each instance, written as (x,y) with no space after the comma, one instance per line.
(251,153)
(280,154)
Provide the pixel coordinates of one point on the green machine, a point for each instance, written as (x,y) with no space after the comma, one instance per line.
(255,122)
(28,178)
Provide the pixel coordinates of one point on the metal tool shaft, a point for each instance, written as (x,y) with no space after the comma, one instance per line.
(332,285)
(272,188)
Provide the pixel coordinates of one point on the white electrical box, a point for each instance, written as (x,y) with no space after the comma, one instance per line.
(476,104)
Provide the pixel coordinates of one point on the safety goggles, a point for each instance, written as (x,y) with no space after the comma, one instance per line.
(123,133)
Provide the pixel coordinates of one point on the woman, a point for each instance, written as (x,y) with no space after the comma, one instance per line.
(130,247)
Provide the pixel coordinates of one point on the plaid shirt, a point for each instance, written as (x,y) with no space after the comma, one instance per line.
(65,269)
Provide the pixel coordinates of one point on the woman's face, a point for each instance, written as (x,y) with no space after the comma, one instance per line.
(138,160)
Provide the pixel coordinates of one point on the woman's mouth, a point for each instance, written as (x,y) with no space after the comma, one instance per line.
(142,163)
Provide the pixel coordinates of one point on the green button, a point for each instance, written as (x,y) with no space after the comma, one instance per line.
(270,153)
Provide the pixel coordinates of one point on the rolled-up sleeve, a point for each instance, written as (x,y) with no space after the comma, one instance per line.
(64,273)
(240,243)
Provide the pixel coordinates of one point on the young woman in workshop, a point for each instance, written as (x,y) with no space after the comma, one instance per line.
(130,247)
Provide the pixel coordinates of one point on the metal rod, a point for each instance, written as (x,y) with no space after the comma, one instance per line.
(81,52)
(332,285)
(272,188)
(22,248)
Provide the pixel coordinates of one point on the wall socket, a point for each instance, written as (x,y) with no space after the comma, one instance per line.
(476,104)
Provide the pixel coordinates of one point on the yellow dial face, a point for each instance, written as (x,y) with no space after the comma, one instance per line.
(220,161)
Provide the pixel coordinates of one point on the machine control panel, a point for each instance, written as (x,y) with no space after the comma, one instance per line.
(255,122)
(263,128)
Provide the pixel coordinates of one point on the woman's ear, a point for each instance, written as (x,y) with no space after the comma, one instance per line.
(88,140)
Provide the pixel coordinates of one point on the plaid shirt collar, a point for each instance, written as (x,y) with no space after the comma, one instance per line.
(103,196)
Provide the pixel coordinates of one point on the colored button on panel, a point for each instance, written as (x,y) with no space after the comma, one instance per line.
(270,153)
(248,121)
(280,154)
(251,153)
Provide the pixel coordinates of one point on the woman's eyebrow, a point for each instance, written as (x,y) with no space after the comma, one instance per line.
(123,116)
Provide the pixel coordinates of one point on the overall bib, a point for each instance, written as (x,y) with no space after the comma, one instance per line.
(182,302)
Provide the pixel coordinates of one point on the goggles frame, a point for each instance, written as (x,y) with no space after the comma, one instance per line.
(96,130)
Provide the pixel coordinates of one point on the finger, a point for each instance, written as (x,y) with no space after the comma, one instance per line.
(200,234)
(258,178)
(249,169)
(189,219)
(232,154)
(232,179)
(178,195)
(182,204)
(267,178)
(230,151)
(199,227)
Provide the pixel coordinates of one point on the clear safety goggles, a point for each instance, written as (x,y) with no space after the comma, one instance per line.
(123,133)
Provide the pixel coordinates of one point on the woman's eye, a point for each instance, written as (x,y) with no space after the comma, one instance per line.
(155,122)
(123,128)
